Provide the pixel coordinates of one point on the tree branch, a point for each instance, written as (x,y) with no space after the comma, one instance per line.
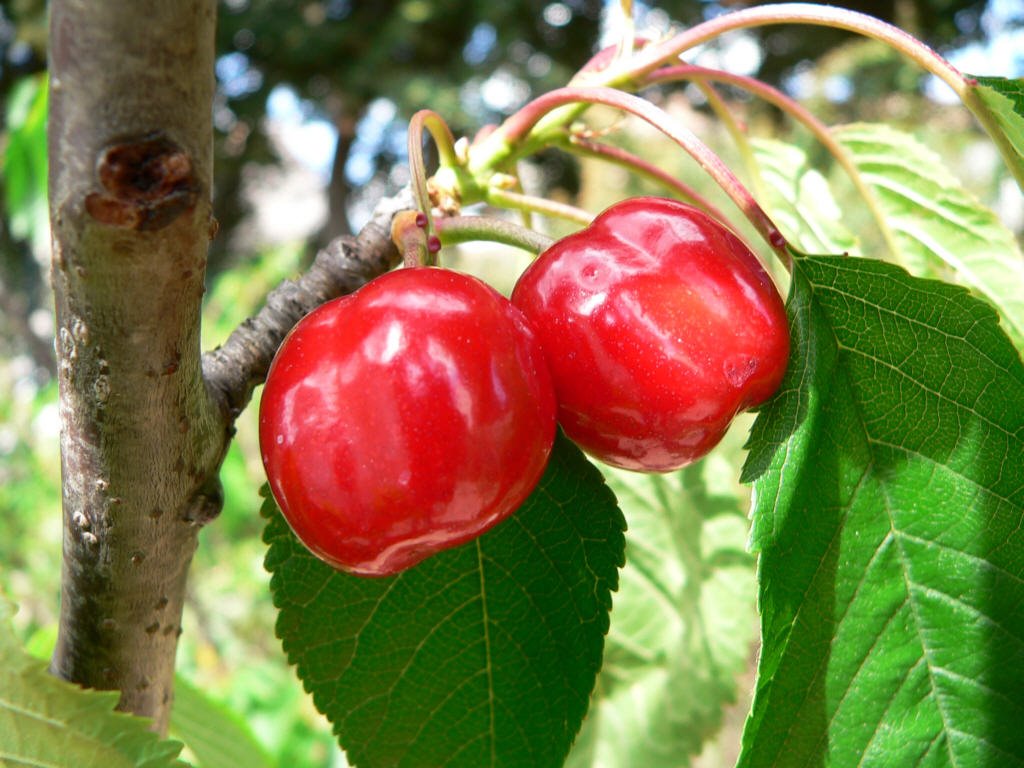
(146,419)
(233,371)
(130,145)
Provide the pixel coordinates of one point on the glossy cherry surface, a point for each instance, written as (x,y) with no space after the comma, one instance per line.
(659,325)
(406,418)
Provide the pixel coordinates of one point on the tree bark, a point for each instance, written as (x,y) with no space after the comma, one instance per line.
(130,142)
(144,431)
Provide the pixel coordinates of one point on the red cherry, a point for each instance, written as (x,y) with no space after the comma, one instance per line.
(406,418)
(659,325)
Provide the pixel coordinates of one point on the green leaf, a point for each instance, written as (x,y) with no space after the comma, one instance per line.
(213,733)
(888,507)
(999,102)
(684,619)
(483,655)
(45,721)
(938,228)
(799,199)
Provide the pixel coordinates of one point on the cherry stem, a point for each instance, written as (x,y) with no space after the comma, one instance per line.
(504,198)
(408,231)
(445,142)
(613,154)
(580,145)
(463,229)
(520,124)
(653,56)
(798,112)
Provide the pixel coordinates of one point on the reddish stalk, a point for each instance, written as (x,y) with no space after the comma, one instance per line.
(798,112)
(511,138)
(612,154)
(653,56)
(445,142)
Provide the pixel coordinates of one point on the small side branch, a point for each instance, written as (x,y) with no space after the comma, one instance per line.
(234,370)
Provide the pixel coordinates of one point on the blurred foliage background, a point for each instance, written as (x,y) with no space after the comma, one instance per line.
(312,101)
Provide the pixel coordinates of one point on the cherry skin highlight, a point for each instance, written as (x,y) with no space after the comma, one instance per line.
(659,325)
(406,418)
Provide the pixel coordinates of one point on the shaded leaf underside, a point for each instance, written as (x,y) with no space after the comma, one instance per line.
(937,227)
(684,620)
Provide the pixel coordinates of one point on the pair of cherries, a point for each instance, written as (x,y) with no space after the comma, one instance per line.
(418,412)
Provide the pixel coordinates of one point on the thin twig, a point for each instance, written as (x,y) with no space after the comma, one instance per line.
(233,370)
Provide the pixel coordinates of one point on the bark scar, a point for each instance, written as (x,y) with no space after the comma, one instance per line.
(147,181)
